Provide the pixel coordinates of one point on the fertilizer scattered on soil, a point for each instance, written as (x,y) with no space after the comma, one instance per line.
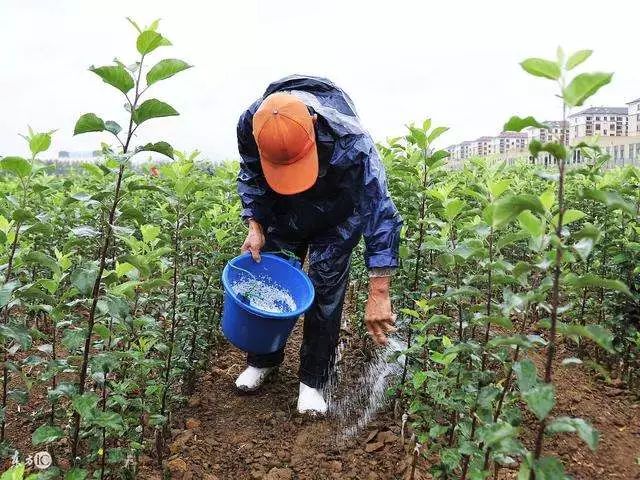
(368,395)
(264,295)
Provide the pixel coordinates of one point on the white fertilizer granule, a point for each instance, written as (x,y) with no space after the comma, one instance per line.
(264,295)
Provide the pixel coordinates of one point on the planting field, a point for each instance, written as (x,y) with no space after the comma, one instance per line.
(517,299)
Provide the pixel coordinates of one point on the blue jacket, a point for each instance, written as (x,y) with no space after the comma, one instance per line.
(350,197)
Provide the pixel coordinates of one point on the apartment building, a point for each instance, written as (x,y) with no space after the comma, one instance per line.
(482,147)
(634,118)
(599,121)
(487,146)
(510,142)
(554,132)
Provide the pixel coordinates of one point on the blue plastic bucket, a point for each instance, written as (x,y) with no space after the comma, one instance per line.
(254,330)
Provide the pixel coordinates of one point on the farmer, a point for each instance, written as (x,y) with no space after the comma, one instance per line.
(311,181)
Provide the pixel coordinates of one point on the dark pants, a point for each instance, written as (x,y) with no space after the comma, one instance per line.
(329,273)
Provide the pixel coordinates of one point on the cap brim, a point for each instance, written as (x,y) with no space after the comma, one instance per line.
(294,177)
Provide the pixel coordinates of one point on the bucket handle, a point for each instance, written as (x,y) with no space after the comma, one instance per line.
(291,258)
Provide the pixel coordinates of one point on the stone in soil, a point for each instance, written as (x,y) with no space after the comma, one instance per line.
(181,441)
(192,423)
(386,437)
(374,447)
(177,467)
(279,474)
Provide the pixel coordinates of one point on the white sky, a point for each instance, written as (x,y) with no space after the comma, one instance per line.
(455,61)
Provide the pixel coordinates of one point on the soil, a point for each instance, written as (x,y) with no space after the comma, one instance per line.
(261,436)
(225,435)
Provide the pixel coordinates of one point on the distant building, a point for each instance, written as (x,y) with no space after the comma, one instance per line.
(554,132)
(510,142)
(87,156)
(633,114)
(599,121)
(482,147)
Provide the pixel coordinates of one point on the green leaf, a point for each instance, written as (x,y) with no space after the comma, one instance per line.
(549,468)
(89,122)
(589,231)
(583,248)
(531,223)
(556,149)
(509,207)
(540,399)
(592,280)
(575,425)
(418,137)
(112,127)
(495,433)
(504,322)
(18,333)
(107,419)
(159,147)
(39,142)
(165,69)
(601,336)
(149,232)
(14,473)
(527,374)
(612,200)
(587,237)
(46,434)
(153,108)
(116,76)
(16,165)
(584,86)
(41,259)
(435,133)
(498,187)
(548,198)
(517,124)
(571,215)
(125,288)
(540,67)
(577,58)
(76,474)
(418,379)
(597,333)
(85,404)
(453,207)
(149,40)
(5,292)
(84,278)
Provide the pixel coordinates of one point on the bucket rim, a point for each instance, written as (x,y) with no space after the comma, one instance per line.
(261,313)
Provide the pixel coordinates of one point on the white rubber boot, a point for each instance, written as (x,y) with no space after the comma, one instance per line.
(311,401)
(252,378)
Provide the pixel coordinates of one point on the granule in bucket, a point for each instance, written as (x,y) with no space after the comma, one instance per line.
(264,295)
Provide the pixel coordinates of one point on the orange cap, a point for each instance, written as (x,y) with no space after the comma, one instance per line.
(283,130)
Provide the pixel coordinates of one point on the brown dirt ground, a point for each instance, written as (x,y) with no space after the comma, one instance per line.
(261,436)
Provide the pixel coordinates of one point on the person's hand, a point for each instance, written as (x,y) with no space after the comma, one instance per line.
(254,241)
(377,314)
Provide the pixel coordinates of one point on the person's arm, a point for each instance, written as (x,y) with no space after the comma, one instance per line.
(382,224)
(255,194)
